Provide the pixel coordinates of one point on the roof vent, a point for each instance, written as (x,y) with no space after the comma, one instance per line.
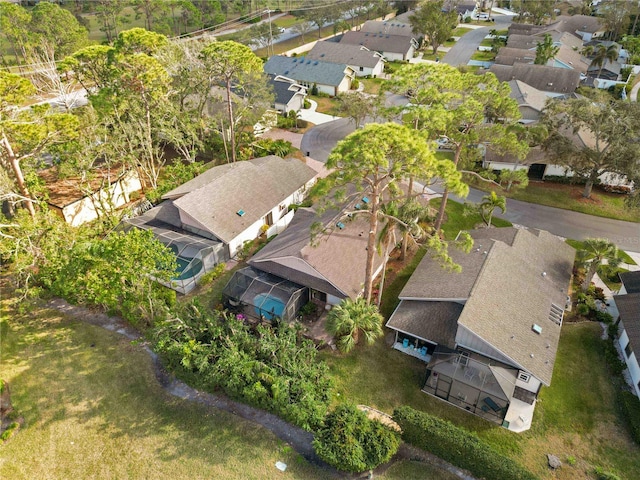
(340,225)
(322,55)
(294,60)
(308,62)
(556,314)
(544,274)
(286,72)
(315,63)
(536,328)
(531,355)
(365,199)
(240,213)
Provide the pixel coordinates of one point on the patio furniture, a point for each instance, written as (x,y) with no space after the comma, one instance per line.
(405,343)
(469,373)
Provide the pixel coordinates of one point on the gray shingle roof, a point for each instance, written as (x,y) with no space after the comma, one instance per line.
(255,186)
(572,58)
(388,27)
(509,56)
(352,55)
(505,292)
(542,77)
(525,42)
(379,42)
(433,321)
(335,264)
(302,69)
(284,90)
(629,309)
(631,281)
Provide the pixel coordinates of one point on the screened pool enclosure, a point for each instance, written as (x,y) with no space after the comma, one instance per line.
(263,296)
(195,255)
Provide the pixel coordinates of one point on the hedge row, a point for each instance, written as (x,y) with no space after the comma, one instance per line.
(631,411)
(457,446)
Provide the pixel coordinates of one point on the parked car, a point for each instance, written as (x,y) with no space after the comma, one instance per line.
(444,143)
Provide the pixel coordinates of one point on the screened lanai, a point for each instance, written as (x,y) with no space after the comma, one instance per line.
(195,255)
(261,295)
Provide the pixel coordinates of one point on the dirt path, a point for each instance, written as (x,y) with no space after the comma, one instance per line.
(299,439)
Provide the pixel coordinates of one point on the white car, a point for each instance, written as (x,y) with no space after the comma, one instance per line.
(282,29)
(444,143)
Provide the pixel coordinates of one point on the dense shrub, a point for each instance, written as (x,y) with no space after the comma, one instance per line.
(457,446)
(209,277)
(267,146)
(630,405)
(602,474)
(567,180)
(351,442)
(276,372)
(616,366)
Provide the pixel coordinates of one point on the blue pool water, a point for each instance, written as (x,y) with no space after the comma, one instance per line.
(268,306)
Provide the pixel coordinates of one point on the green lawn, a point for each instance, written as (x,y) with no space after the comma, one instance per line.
(483,56)
(371,85)
(460,31)
(94,409)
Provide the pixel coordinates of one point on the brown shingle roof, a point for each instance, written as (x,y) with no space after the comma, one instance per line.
(334,264)
(388,27)
(509,56)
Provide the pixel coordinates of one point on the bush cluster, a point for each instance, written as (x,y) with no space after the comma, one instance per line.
(457,446)
(630,405)
(351,442)
(272,370)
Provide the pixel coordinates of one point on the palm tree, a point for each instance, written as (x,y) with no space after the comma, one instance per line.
(489,204)
(604,54)
(545,50)
(587,50)
(352,318)
(592,254)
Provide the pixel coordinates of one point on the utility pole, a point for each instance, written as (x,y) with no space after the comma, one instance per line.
(270,34)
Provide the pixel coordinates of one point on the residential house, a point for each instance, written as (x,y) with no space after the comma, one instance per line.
(608,71)
(567,57)
(531,101)
(80,201)
(363,61)
(550,80)
(226,206)
(326,266)
(489,335)
(463,9)
(510,56)
(583,26)
(388,27)
(525,42)
(628,303)
(290,95)
(392,47)
(329,78)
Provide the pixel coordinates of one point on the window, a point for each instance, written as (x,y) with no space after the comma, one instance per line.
(282,207)
(463,359)
(362,69)
(627,349)
(524,377)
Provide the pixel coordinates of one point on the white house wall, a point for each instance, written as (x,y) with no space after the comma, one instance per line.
(631,361)
(344,86)
(504,166)
(117,195)
(533,385)
(399,57)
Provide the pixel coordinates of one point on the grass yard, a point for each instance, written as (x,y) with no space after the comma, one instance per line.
(93,409)
(577,244)
(569,197)
(371,85)
(326,105)
(483,56)
(460,31)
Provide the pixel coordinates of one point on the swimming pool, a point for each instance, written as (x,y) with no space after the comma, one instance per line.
(268,306)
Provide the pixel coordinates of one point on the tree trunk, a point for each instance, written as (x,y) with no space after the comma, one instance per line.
(17,171)
(371,245)
(591,271)
(232,130)
(445,194)
(587,189)
(405,235)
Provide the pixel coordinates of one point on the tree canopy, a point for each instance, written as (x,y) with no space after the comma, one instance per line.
(432,22)
(592,136)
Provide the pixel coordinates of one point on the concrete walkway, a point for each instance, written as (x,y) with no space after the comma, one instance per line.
(310,114)
(633,95)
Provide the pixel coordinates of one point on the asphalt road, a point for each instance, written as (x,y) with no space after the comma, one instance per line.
(565,223)
(461,52)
